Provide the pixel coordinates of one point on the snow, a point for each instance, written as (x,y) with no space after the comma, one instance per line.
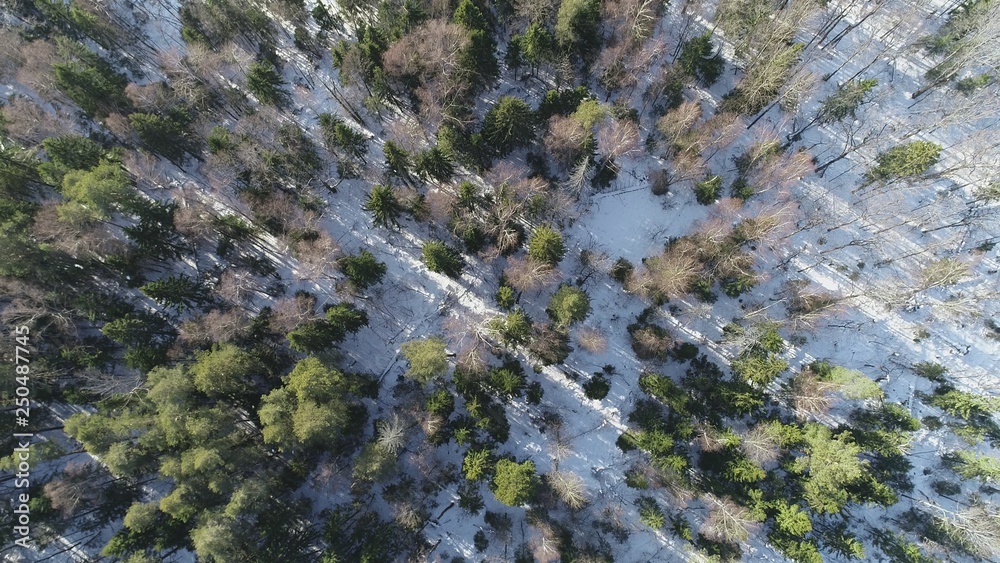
(886,232)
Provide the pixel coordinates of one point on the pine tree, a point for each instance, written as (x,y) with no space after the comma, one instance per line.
(509,125)
(443,259)
(428,358)
(904,161)
(546,246)
(569,305)
(99,192)
(264,82)
(167,136)
(434,163)
(179,292)
(226,371)
(362,270)
(383,206)
(514,329)
(514,483)
(397,160)
(478,464)
(697,59)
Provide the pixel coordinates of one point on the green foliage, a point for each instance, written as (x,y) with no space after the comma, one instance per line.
(546,246)
(428,358)
(443,259)
(441,403)
(834,472)
(68,152)
(589,113)
(341,137)
(697,60)
(323,17)
(505,297)
(597,387)
(514,483)
(971,465)
(508,379)
(904,161)
(845,101)
(562,102)
(537,46)
(97,193)
(963,404)
(479,61)
(362,270)
(930,370)
(165,135)
(384,206)
(758,370)
(578,26)
(569,305)
(508,125)
(737,285)
(179,292)
(397,160)
(226,371)
(318,335)
(970,84)
(310,409)
(374,464)
(265,83)
(90,82)
(478,464)
(514,328)
(434,163)
(650,512)
(791,520)
(707,190)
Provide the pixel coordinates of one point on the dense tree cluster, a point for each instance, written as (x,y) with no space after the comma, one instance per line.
(208,242)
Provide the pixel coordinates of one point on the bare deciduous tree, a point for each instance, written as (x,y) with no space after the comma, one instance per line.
(727,521)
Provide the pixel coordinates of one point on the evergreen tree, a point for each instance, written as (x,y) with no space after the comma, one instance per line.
(845,101)
(264,82)
(434,163)
(167,136)
(97,193)
(537,45)
(341,137)
(443,259)
(179,292)
(479,58)
(383,206)
(226,371)
(569,305)
(397,160)
(478,464)
(428,358)
(707,190)
(90,82)
(514,329)
(318,335)
(697,59)
(578,26)
(362,270)
(546,246)
(509,125)
(514,483)
(68,152)
(904,161)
